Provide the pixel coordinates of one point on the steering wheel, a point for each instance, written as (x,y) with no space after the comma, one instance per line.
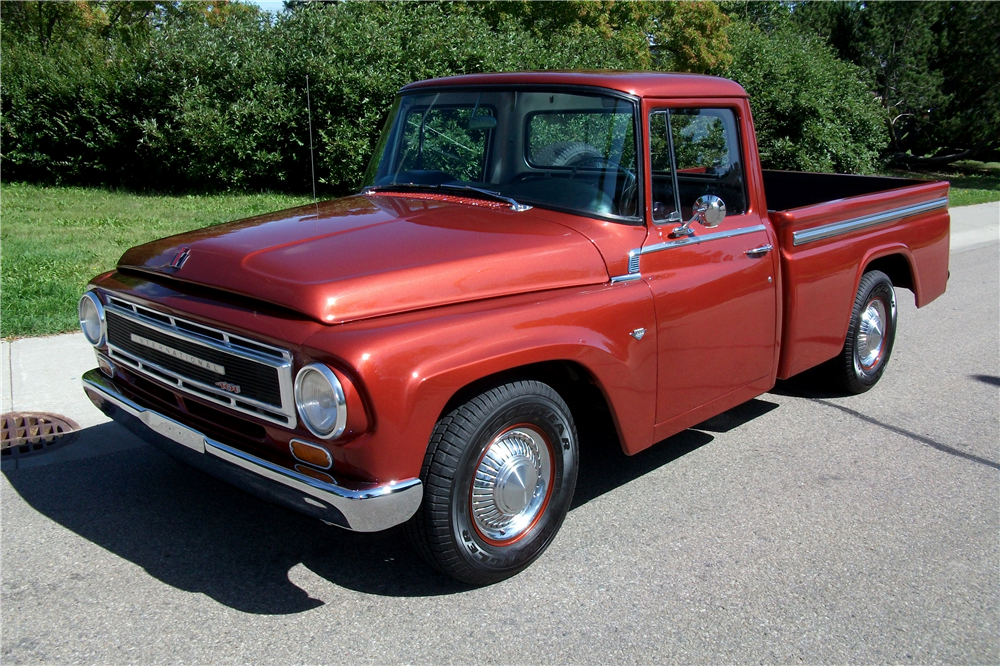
(629,189)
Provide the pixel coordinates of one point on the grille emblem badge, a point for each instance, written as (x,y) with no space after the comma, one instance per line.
(176,353)
(180,258)
(226,386)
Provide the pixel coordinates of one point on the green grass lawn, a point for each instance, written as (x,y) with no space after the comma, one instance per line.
(971,182)
(979,182)
(53,240)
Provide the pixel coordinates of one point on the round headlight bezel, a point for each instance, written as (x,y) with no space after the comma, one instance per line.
(336,389)
(92,299)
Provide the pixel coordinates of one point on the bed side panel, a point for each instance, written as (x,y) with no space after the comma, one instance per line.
(820,275)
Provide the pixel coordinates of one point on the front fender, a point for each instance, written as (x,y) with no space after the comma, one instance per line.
(409,366)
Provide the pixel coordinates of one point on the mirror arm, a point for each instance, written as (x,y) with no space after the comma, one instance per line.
(685,229)
(701,209)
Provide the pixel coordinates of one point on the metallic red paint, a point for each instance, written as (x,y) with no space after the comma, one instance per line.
(362,257)
(640,84)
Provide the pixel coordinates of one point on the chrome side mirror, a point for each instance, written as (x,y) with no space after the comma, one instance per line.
(712,210)
(709,211)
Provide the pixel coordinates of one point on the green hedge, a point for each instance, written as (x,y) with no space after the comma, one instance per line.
(211,107)
(197,104)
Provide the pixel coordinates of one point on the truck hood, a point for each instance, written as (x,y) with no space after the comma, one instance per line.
(365,256)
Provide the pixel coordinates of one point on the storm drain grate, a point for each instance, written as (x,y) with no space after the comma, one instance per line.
(28,433)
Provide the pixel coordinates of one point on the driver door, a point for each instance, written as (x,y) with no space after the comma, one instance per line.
(715,290)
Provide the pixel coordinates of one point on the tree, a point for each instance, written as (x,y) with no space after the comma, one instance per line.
(671,36)
(691,37)
(969,62)
(812,111)
(933,66)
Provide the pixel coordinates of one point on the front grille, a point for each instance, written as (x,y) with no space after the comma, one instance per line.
(241,374)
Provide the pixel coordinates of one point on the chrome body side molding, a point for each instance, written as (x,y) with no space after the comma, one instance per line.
(633,255)
(694,240)
(847,226)
(359,507)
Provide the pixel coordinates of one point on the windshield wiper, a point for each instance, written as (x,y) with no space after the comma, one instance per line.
(514,204)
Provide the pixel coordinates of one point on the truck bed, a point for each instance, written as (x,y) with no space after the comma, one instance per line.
(797,189)
(831,229)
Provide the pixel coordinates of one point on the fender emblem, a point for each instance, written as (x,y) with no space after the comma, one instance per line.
(226,386)
(180,258)
(638,333)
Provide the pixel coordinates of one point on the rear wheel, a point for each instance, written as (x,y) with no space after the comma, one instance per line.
(870,335)
(498,476)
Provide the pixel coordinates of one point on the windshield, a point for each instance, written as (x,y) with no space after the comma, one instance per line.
(566,151)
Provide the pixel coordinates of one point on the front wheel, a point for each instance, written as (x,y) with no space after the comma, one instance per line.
(498,477)
(869,336)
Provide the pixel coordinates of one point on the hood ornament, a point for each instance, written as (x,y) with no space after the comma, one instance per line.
(180,258)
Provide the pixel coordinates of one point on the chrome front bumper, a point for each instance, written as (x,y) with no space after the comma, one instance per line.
(361,507)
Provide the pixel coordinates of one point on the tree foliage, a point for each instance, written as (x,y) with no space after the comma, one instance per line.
(211,95)
(933,66)
(812,111)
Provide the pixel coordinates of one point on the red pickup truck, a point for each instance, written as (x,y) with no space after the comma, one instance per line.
(526,248)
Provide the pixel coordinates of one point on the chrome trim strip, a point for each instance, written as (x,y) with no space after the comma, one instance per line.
(149,369)
(231,344)
(694,240)
(847,226)
(633,261)
(367,507)
(176,353)
(630,277)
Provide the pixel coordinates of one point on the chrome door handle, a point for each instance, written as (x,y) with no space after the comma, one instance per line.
(759,251)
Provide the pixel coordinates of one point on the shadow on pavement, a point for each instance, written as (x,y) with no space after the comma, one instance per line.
(197,534)
(987,379)
(813,383)
(944,448)
(737,416)
(604,467)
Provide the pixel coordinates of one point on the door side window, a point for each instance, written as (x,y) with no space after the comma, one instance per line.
(705,147)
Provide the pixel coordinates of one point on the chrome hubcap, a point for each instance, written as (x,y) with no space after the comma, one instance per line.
(871,334)
(511,484)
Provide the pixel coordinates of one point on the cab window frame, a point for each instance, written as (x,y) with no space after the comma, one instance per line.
(734,141)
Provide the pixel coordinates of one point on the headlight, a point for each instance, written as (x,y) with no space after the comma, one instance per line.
(319,399)
(92,320)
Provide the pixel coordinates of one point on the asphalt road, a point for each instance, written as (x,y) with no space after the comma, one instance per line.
(799,527)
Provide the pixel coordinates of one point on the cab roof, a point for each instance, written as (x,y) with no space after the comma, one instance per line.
(641,84)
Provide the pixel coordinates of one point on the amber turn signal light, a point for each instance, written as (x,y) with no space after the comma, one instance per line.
(311,454)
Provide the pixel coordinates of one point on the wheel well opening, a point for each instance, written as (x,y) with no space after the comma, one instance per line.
(587,403)
(896,267)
